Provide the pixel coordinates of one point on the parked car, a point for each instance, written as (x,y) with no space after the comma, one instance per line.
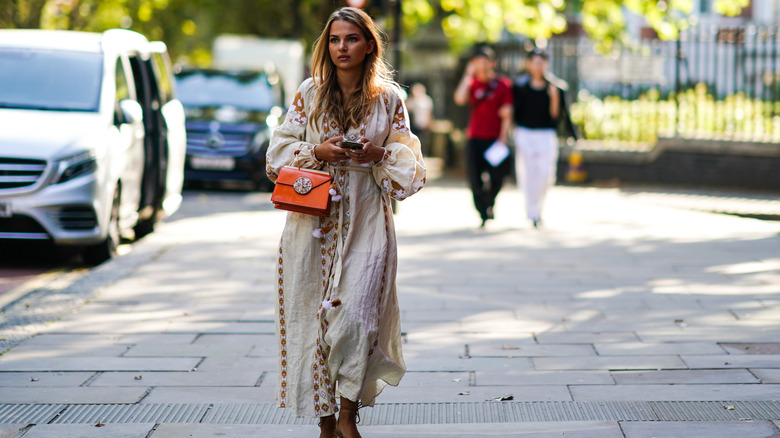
(230,117)
(92,138)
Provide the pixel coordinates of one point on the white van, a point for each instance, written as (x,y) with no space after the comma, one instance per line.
(92,139)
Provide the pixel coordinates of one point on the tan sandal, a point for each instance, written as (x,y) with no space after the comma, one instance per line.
(357,421)
(322,424)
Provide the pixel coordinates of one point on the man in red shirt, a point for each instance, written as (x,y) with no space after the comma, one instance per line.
(490,97)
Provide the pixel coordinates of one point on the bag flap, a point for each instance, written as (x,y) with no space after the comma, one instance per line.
(288,175)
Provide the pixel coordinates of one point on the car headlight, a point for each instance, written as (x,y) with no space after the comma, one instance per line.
(74,166)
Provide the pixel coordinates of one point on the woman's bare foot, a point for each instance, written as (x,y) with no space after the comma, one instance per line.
(328,426)
(348,419)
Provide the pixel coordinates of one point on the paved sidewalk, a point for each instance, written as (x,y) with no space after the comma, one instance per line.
(623,317)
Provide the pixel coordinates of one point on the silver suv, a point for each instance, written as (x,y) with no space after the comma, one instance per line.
(92,138)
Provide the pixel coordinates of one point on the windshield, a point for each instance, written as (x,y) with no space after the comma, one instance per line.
(249,91)
(55,80)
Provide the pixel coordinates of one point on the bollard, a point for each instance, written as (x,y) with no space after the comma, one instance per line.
(576,171)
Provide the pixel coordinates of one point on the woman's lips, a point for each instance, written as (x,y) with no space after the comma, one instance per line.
(343,58)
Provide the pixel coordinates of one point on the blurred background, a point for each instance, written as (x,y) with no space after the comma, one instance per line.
(677,91)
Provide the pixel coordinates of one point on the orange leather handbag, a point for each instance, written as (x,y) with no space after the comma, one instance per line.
(302,191)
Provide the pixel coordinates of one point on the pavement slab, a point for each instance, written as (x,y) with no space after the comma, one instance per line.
(733,361)
(502,349)
(247,378)
(536,377)
(97,364)
(73,395)
(657,348)
(191,350)
(687,429)
(586,337)
(656,362)
(767,375)
(206,394)
(689,377)
(139,430)
(38,379)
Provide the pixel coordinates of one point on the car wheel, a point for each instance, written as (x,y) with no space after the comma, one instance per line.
(97,254)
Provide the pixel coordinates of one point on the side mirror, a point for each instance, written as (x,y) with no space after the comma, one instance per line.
(131,110)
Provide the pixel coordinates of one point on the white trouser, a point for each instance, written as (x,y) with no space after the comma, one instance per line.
(537,161)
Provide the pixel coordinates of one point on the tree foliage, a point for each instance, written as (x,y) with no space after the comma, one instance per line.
(604,21)
(189,26)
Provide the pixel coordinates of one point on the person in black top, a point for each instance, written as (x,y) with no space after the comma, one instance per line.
(538,110)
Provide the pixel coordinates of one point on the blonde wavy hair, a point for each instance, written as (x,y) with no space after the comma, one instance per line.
(377,74)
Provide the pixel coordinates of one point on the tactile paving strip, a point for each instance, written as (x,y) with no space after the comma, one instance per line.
(408,413)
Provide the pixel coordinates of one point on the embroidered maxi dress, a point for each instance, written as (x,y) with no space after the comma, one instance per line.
(353,350)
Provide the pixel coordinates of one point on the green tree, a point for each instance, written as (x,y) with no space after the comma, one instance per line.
(469,21)
(189,26)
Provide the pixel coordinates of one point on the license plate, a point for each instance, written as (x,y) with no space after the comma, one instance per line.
(5,209)
(213,163)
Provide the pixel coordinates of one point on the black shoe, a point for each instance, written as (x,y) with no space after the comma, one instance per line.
(537,223)
(484,221)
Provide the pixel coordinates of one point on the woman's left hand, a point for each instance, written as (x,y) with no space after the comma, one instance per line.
(369,154)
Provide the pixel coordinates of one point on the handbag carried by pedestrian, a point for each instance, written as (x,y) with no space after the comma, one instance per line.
(302,191)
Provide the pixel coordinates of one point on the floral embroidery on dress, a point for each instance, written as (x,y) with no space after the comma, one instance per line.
(297,114)
(399,120)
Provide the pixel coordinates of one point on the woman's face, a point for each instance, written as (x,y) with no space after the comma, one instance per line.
(347,45)
(536,66)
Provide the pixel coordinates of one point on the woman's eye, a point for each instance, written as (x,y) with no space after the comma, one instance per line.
(334,40)
(353,39)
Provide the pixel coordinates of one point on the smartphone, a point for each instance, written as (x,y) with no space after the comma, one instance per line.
(351,144)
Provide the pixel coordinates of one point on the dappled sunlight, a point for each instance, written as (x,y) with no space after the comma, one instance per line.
(752,267)
(607,267)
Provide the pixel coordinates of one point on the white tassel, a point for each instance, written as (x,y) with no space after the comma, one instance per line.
(328,304)
(334,195)
(317,233)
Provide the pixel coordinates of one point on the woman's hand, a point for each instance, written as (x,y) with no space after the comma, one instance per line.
(369,154)
(330,150)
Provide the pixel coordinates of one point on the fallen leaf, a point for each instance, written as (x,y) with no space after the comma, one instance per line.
(728,408)
(33,379)
(503,398)
(138,377)
(99,424)
(464,393)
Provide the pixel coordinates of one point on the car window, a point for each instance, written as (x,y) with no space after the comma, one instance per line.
(207,89)
(122,90)
(164,81)
(50,79)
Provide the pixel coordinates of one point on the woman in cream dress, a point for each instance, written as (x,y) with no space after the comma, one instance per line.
(337,312)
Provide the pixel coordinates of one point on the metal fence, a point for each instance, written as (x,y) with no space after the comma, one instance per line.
(714,82)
